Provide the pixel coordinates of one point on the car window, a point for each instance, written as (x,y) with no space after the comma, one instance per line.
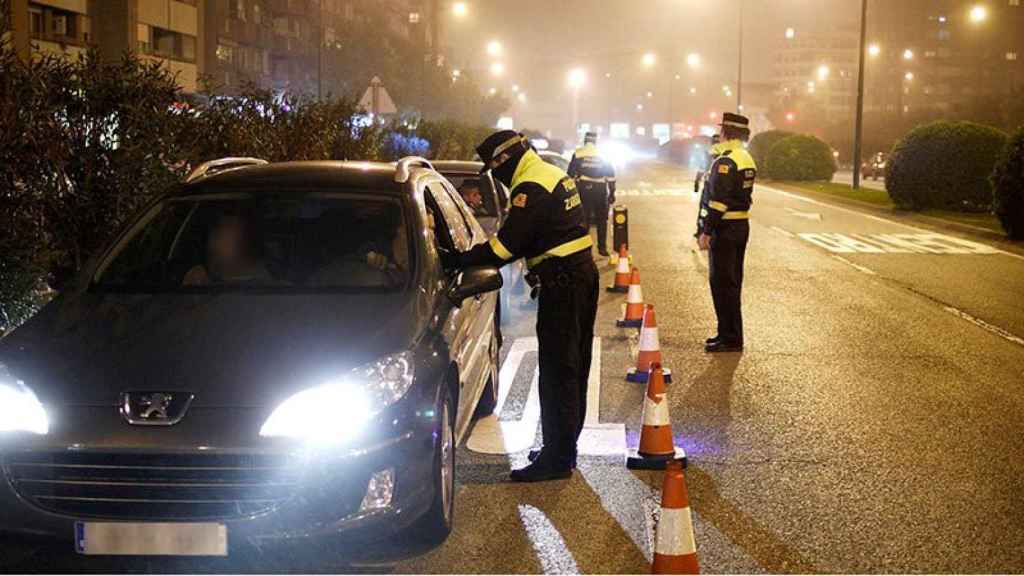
(453,221)
(477,193)
(287,241)
(476,232)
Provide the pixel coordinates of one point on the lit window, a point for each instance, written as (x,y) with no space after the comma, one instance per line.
(414,17)
(1011,56)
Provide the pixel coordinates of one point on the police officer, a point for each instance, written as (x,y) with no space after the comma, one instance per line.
(547,226)
(726,229)
(596,181)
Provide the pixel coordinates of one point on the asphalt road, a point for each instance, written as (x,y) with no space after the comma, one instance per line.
(846,177)
(872,425)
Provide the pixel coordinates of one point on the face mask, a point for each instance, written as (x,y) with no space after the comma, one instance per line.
(506,171)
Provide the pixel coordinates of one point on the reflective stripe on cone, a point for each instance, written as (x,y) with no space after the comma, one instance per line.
(657,446)
(649,350)
(675,548)
(634,314)
(622,273)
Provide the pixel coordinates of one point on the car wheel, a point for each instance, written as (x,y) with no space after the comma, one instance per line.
(489,398)
(436,524)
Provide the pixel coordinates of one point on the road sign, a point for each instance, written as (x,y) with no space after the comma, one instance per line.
(376,99)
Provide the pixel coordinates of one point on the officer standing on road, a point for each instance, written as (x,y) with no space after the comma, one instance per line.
(726,229)
(596,181)
(547,226)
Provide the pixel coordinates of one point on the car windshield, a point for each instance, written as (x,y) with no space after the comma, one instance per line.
(288,241)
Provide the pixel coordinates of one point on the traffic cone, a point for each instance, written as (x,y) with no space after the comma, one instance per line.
(622,273)
(633,317)
(657,447)
(675,548)
(650,350)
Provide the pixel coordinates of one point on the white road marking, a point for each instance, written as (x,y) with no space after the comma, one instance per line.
(552,551)
(806,215)
(785,233)
(671,191)
(869,216)
(927,243)
(982,324)
(493,436)
(854,265)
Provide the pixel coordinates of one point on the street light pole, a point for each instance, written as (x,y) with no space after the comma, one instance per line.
(320,55)
(858,134)
(739,74)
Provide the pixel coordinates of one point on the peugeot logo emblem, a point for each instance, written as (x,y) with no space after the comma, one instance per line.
(155,408)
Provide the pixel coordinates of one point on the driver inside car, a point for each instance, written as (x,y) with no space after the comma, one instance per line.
(230,255)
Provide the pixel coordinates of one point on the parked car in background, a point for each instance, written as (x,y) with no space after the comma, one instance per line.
(271,353)
(491,210)
(555,159)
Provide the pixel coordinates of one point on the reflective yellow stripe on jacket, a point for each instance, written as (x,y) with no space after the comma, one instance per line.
(563,250)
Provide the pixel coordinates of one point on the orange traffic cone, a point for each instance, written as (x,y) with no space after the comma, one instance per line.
(650,350)
(657,447)
(675,549)
(634,315)
(622,272)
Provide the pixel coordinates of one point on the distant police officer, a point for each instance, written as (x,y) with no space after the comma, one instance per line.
(596,181)
(726,229)
(547,226)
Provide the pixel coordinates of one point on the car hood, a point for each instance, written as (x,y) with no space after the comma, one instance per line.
(235,350)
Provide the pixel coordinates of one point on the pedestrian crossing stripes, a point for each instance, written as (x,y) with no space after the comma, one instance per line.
(632,192)
(928,243)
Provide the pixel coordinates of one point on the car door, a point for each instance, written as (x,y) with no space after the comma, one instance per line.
(470,336)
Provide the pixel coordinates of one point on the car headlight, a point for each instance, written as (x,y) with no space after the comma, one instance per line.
(20,410)
(337,411)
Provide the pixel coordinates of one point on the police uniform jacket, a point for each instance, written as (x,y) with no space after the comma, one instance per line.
(588,166)
(730,186)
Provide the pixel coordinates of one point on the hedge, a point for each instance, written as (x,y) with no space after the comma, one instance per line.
(1008,184)
(762,143)
(98,139)
(801,158)
(944,165)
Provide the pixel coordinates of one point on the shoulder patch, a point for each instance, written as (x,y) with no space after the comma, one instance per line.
(520,200)
(723,168)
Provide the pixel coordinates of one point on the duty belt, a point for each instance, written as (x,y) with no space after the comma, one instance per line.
(737,215)
(589,179)
(561,251)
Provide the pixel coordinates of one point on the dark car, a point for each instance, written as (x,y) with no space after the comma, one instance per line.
(271,353)
(555,159)
(875,167)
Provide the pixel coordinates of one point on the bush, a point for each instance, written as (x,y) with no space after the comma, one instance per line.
(802,158)
(1008,184)
(944,165)
(451,140)
(762,143)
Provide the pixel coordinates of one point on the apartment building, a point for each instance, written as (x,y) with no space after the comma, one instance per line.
(166,31)
(819,66)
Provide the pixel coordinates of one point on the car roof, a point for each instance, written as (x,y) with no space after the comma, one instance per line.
(362,176)
(457,166)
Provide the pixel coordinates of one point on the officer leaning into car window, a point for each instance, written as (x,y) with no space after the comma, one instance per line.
(596,181)
(725,229)
(547,226)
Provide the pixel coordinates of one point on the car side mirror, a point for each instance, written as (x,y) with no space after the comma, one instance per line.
(474,282)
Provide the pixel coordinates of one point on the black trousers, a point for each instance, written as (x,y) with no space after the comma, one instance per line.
(595,203)
(725,263)
(567,309)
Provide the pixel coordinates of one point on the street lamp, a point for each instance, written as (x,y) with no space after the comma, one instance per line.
(979,14)
(693,60)
(460,9)
(649,59)
(823,72)
(494,48)
(577,78)
(874,50)
(908,54)
(497,69)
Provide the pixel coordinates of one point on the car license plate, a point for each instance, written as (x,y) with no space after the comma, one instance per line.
(151,539)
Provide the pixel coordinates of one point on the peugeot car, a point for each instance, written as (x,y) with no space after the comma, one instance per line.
(270,353)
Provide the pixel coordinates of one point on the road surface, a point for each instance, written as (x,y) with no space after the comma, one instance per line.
(846,177)
(872,425)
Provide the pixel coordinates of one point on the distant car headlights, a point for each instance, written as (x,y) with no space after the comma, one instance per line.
(338,411)
(20,410)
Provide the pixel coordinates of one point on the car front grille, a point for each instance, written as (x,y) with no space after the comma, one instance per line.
(152,486)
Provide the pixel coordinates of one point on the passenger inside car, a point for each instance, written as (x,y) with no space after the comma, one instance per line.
(231,255)
(470,192)
(371,249)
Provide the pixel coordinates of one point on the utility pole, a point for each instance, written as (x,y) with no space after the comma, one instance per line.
(858,134)
(739,74)
(320,54)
